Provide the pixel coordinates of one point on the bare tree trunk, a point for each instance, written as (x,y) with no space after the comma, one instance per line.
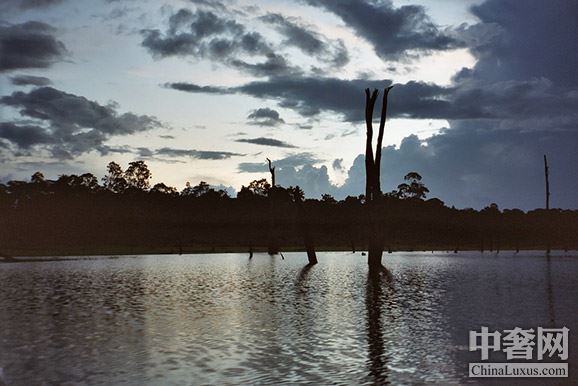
(272,171)
(372,178)
(547,201)
(547,183)
(303,224)
(272,247)
(369,161)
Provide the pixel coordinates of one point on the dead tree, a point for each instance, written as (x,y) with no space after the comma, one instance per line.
(272,247)
(372,176)
(272,171)
(547,183)
(303,224)
(547,200)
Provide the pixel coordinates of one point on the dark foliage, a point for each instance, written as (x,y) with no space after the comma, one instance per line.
(75,214)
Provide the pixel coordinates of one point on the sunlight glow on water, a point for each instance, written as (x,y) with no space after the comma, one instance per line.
(225,319)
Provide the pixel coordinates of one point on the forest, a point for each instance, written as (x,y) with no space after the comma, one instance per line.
(123,214)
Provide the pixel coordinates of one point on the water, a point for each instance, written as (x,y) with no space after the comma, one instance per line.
(225,319)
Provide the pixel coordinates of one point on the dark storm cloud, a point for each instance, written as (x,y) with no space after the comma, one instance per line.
(144,152)
(202,33)
(24,5)
(74,124)
(253,167)
(27,4)
(29,45)
(265,117)
(518,102)
(310,96)
(536,39)
(193,88)
(197,154)
(392,31)
(265,142)
(473,165)
(25,136)
(466,166)
(310,42)
(29,80)
(206,35)
(274,65)
(105,149)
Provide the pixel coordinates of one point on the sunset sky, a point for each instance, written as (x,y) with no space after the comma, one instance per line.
(207,90)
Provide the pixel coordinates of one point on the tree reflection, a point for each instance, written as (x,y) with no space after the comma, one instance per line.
(374,302)
(549,291)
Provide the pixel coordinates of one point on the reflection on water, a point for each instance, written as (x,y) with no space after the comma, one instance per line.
(374,301)
(228,319)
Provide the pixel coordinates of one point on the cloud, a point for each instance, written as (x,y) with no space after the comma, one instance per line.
(395,33)
(202,33)
(193,88)
(105,149)
(274,65)
(29,45)
(197,154)
(297,169)
(28,4)
(501,166)
(29,80)
(295,160)
(265,142)
(337,164)
(212,4)
(525,90)
(206,35)
(310,42)
(74,124)
(313,180)
(310,96)
(533,39)
(24,136)
(265,117)
(24,5)
(466,166)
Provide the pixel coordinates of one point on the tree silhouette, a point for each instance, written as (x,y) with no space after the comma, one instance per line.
(38,178)
(138,175)
(161,188)
(259,187)
(413,188)
(373,165)
(328,199)
(372,176)
(114,180)
(73,214)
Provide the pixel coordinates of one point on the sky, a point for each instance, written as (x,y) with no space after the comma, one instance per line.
(206,90)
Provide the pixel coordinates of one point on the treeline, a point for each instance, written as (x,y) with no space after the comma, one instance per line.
(76,214)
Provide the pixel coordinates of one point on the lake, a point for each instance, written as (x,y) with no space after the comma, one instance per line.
(229,320)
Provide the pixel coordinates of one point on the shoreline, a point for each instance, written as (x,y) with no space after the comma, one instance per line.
(23,255)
